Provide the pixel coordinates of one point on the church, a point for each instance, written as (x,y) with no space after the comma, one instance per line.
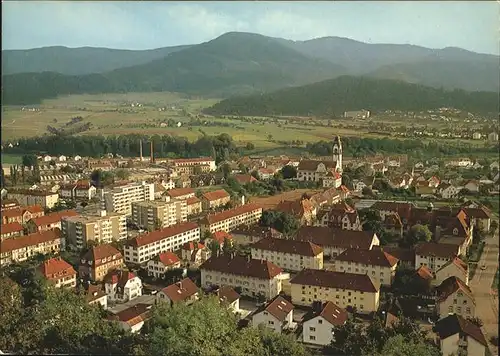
(328,172)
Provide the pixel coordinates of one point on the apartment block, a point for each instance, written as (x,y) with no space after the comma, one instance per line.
(120,199)
(343,289)
(59,273)
(376,263)
(290,255)
(21,214)
(180,193)
(230,219)
(11,230)
(27,197)
(189,166)
(98,261)
(49,221)
(24,247)
(435,255)
(254,277)
(276,315)
(154,215)
(102,228)
(144,247)
(214,199)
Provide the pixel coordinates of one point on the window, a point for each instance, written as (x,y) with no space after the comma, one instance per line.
(450,309)
(459,309)
(312,337)
(270,322)
(312,328)
(467,310)
(320,321)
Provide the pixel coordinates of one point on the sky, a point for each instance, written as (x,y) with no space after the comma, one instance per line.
(143,25)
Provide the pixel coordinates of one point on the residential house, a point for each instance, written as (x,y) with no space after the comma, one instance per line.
(405,256)
(315,171)
(328,197)
(292,255)
(194,253)
(342,288)
(254,277)
(181,193)
(49,221)
(266,173)
(160,264)
(9,203)
(392,224)
(303,209)
(447,190)
(455,297)
(433,182)
(59,273)
(83,190)
(133,318)
(183,291)
(21,214)
(434,255)
(453,268)
(98,261)
(458,336)
(403,209)
(215,199)
(94,295)
(227,297)
(228,220)
(144,247)
(376,263)
(332,179)
(472,186)
(11,230)
(480,217)
(317,325)
(335,241)
(194,206)
(220,237)
(277,315)
(22,248)
(122,286)
(248,234)
(243,179)
(340,215)
(183,182)
(27,197)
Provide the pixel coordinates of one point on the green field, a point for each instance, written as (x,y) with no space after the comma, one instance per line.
(11,159)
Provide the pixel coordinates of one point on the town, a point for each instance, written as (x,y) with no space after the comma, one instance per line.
(331,240)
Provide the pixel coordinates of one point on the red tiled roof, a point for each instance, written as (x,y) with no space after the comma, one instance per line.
(133,315)
(278,307)
(226,214)
(94,292)
(29,240)
(297,208)
(100,252)
(331,279)
(244,178)
(192,200)
(167,258)
(401,254)
(219,236)
(312,165)
(10,228)
(331,312)
(191,246)
(53,218)
(181,290)
(424,273)
(192,160)
(242,266)
(256,231)
(12,213)
(304,248)
(327,236)
(33,209)
(227,294)
(375,257)
(455,324)
(165,233)
(479,213)
(178,192)
(120,277)
(216,195)
(56,268)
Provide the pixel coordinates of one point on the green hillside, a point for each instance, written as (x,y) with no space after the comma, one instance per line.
(234,63)
(333,97)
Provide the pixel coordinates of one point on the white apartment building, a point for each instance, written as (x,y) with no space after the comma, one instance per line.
(152,215)
(435,255)
(276,315)
(230,219)
(22,248)
(341,288)
(290,255)
(122,286)
(376,263)
(120,199)
(254,277)
(144,247)
(103,228)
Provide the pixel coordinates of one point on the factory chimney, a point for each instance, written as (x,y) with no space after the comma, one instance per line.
(140,148)
(152,155)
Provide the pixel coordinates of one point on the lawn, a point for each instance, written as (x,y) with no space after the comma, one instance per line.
(8,158)
(494,285)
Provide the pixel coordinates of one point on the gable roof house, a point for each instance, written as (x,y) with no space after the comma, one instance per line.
(455,297)
(133,318)
(98,261)
(59,272)
(122,286)
(160,264)
(183,291)
(303,209)
(276,315)
(318,323)
(340,215)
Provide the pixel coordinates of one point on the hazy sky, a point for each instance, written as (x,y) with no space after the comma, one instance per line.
(141,25)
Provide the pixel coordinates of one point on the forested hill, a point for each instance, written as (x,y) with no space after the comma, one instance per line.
(334,97)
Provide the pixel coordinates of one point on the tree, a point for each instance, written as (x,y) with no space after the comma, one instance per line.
(418,233)
(283,222)
(226,170)
(289,172)
(227,246)
(122,174)
(348,339)
(400,346)
(494,226)
(368,192)
(214,247)
(197,170)
(29,161)
(250,146)
(242,168)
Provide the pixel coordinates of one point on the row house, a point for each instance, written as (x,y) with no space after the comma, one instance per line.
(21,215)
(194,206)
(292,255)
(406,256)
(132,319)
(49,221)
(11,230)
(160,264)
(7,204)
(435,255)
(184,291)
(22,248)
(104,227)
(195,253)
(318,324)
(181,193)
(376,263)
(206,180)
(342,288)
(248,234)
(458,336)
(98,261)
(144,247)
(455,297)
(81,190)
(157,214)
(215,199)
(190,165)
(330,196)
(59,273)
(340,216)
(276,315)
(335,241)
(230,219)
(303,209)
(122,286)
(254,277)
(27,197)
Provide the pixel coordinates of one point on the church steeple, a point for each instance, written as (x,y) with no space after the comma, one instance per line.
(337,152)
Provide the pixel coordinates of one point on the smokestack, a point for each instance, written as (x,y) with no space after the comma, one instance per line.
(152,155)
(140,148)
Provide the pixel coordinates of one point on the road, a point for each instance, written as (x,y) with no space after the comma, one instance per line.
(486,299)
